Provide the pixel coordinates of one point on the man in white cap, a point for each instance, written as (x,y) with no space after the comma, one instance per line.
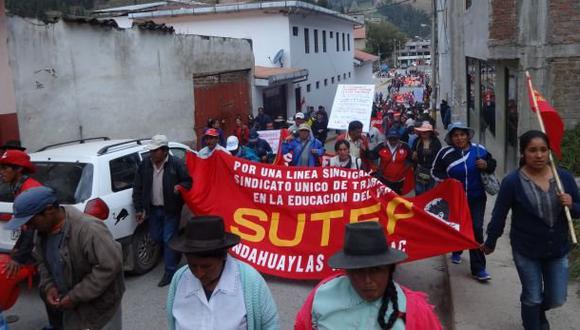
(211,138)
(156,198)
(299,119)
(234,147)
(306,150)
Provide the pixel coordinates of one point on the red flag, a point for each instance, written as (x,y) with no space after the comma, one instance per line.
(291,219)
(552,122)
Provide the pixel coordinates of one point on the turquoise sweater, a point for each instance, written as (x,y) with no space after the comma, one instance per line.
(260,306)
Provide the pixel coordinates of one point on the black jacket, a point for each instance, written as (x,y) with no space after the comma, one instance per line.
(175,174)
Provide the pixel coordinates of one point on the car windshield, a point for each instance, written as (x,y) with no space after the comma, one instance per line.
(73,182)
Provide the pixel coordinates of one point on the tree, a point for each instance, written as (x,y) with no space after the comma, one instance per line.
(382,38)
(412,21)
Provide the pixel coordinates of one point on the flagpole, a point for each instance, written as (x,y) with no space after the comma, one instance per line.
(552,163)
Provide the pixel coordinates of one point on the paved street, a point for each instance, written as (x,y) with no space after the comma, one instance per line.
(144,302)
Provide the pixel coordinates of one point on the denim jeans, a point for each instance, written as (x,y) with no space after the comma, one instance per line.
(544,281)
(163,227)
(477,210)
(421,188)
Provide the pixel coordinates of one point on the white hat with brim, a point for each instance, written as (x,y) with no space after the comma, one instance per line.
(232,143)
(157,142)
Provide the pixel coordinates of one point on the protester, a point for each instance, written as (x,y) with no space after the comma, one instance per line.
(394,158)
(409,136)
(539,230)
(80,263)
(375,137)
(343,158)
(465,161)
(11,145)
(156,198)
(445,111)
(320,126)
(306,150)
(15,171)
(262,119)
(261,147)
(234,147)
(215,124)
(241,131)
(211,139)
(215,290)
(365,296)
(424,150)
(359,143)
(299,119)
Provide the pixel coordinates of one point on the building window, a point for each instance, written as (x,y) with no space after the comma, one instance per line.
(337,42)
(325,82)
(343,43)
(467,4)
(308,88)
(331,34)
(306,41)
(348,41)
(349,74)
(295,31)
(344,76)
(323,41)
(332,80)
(315,41)
(317,84)
(338,77)
(487,96)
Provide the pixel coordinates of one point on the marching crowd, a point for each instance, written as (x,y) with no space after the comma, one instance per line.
(80,264)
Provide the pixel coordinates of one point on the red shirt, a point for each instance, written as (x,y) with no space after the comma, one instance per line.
(28,184)
(243,134)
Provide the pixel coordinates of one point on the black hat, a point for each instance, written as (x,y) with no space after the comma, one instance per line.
(203,234)
(365,245)
(12,145)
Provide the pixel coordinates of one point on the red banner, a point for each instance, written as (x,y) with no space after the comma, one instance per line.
(292,219)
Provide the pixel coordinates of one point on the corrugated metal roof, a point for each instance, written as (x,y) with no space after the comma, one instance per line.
(131,8)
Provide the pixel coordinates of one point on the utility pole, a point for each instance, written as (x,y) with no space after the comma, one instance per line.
(434,60)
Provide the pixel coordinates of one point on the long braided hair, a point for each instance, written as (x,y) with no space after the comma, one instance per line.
(390,294)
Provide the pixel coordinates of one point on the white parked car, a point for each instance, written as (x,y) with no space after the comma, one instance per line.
(96,176)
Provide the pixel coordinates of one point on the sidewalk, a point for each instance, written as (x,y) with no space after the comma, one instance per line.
(496,305)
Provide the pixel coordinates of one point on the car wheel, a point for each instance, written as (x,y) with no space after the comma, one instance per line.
(146,251)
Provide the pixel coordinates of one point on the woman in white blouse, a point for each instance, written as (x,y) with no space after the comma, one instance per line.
(343,158)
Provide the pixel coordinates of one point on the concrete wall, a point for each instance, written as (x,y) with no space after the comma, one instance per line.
(117,83)
(8,118)
(363,74)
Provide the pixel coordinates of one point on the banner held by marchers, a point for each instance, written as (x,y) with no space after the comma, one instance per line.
(291,219)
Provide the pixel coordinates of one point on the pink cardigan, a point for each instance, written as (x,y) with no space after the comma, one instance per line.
(419,314)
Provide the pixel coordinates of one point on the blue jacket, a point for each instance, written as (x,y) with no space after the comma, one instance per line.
(458,164)
(295,146)
(261,147)
(247,153)
(529,234)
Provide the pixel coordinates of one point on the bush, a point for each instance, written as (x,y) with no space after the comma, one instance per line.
(571,160)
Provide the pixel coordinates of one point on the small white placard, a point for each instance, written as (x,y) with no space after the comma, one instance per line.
(352,102)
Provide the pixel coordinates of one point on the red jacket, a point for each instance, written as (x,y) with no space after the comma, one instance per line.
(419,313)
(394,167)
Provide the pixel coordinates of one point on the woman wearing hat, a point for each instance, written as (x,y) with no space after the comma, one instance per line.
(364,295)
(464,161)
(215,291)
(424,150)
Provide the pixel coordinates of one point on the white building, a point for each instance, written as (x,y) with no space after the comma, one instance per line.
(302,51)
(414,52)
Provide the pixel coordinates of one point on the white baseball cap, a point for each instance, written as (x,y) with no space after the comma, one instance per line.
(157,142)
(232,143)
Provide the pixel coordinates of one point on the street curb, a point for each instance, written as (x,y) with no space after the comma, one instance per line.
(450,288)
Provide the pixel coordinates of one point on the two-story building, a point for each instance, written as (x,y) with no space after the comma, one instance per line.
(302,51)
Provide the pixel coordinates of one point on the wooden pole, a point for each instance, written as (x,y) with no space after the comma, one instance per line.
(552,163)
